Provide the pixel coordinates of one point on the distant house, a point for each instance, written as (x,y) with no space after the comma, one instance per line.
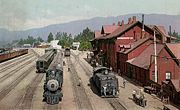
(75,45)
(43,45)
(27,46)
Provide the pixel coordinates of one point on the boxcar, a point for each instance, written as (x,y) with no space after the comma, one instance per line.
(12,54)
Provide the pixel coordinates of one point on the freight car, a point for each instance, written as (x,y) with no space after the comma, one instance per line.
(12,54)
(54,80)
(105,81)
(44,61)
(67,52)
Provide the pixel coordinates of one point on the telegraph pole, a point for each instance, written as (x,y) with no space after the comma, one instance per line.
(155,58)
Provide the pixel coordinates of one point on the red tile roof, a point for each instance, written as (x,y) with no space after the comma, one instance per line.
(120,30)
(136,44)
(97,34)
(162,30)
(175,49)
(176,84)
(143,60)
(108,29)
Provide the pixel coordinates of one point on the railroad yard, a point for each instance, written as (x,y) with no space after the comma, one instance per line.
(22,88)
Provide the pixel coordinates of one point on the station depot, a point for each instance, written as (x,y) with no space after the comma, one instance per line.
(145,54)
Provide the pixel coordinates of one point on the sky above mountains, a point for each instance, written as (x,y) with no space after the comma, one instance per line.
(26,14)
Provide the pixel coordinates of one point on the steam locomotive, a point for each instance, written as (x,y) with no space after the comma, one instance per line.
(105,81)
(54,80)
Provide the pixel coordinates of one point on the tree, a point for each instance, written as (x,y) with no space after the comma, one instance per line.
(65,39)
(39,39)
(84,38)
(50,37)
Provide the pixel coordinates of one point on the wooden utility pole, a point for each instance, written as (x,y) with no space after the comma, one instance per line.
(155,58)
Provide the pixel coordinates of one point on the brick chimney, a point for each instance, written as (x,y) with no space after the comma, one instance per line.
(143,31)
(130,20)
(113,24)
(134,19)
(119,23)
(122,23)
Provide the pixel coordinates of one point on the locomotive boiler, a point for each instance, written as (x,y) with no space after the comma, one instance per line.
(54,80)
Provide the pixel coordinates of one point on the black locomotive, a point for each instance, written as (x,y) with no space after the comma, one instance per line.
(105,81)
(54,80)
(67,52)
(44,61)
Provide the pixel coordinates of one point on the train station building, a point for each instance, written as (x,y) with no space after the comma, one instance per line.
(129,50)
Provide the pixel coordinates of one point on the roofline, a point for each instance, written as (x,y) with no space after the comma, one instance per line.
(139,45)
(138,66)
(172,55)
(132,25)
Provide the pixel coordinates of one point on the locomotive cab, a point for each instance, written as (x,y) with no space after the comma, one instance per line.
(106,82)
(40,65)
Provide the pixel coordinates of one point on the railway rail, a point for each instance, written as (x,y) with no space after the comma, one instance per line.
(13,60)
(13,64)
(4,77)
(26,100)
(81,97)
(23,101)
(8,88)
(114,102)
(51,107)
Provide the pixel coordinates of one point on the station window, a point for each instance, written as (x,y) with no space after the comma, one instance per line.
(153,75)
(168,75)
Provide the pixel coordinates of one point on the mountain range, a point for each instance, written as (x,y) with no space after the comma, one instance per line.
(96,23)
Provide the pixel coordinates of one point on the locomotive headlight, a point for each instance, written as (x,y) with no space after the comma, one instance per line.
(52,85)
(52,74)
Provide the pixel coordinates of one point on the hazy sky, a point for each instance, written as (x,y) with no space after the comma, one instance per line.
(25,14)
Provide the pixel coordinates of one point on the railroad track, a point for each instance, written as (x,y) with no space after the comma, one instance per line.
(13,60)
(114,102)
(4,77)
(81,97)
(26,100)
(12,85)
(35,53)
(13,64)
(51,107)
